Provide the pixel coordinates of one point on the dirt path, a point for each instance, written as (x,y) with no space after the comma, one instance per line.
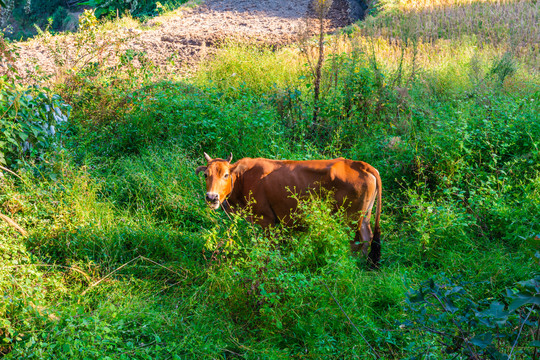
(177,42)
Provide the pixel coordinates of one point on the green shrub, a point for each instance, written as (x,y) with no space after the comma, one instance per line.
(138,8)
(60,18)
(38,14)
(263,280)
(197,119)
(26,289)
(357,99)
(30,121)
(495,329)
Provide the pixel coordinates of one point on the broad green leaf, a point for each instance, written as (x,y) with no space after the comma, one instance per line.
(495,312)
(482,340)
(455,290)
(415,296)
(531,284)
(522,298)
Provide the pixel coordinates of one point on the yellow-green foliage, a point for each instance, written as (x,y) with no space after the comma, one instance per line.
(259,69)
(446,42)
(507,23)
(500,26)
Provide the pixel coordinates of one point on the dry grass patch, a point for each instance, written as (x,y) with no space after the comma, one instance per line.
(505,25)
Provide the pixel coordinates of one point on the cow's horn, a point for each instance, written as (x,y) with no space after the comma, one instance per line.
(199,169)
(229,158)
(208,158)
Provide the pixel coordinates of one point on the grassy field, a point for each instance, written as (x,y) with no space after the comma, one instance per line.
(123,259)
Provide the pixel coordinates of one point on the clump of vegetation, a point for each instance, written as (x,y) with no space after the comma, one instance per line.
(20,17)
(121,258)
(29,117)
(136,8)
(477,329)
(23,19)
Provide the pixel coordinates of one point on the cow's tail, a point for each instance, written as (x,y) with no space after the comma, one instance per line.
(375,251)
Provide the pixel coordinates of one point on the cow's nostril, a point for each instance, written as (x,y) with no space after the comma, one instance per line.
(212,197)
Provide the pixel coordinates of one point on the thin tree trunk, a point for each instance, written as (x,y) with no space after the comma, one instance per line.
(318,68)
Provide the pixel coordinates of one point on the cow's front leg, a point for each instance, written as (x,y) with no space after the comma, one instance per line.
(265,220)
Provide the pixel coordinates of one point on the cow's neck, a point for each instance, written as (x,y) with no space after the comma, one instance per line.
(234,198)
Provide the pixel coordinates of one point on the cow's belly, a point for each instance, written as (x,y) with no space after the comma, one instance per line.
(281,193)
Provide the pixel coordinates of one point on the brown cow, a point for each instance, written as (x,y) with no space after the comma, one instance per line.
(266,186)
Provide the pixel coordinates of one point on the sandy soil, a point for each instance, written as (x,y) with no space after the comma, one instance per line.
(179,41)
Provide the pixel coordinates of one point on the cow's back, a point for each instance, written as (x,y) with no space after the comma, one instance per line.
(270,184)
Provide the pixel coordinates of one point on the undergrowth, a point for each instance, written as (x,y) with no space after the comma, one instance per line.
(122,258)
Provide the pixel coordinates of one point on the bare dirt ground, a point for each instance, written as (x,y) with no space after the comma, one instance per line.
(178,41)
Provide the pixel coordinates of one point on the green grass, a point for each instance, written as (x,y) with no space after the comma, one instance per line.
(455,138)
(233,68)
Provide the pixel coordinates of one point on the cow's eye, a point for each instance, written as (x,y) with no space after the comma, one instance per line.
(225,176)
(205,175)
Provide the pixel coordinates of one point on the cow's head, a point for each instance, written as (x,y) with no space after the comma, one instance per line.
(219,181)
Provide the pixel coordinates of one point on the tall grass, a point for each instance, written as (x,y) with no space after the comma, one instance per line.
(124,260)
(233,67)
(503,25)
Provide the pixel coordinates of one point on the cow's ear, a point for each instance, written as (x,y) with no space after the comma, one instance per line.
(207,157)
(229,159)
(199,169)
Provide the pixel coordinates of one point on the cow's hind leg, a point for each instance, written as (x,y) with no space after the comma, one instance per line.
(362,238)
(366,233)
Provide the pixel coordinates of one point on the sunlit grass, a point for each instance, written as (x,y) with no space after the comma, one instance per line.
(260,69)
(455,43)
(505,25)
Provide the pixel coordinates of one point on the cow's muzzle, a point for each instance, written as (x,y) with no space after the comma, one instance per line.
(213,200)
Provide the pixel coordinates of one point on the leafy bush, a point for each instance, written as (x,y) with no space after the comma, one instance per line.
(24,305)
(29,122)
(60,18)
(493,329)
(136,8)
(25,289)
(31,13)
(29,118)
(196,119)
(357,98)
(262,279)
